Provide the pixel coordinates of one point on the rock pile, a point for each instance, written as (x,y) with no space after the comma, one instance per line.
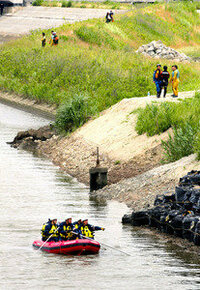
(177,214)
(157,49)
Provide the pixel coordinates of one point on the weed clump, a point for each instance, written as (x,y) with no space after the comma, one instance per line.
(183,117)
(37,3)
(72,114)
(180,144)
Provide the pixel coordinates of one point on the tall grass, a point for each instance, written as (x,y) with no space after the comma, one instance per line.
(72,114)
(181,144)
(183,117)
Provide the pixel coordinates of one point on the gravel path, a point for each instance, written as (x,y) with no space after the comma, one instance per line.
(32,18)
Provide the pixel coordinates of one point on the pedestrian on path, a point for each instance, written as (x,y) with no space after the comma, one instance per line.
(157,79)
(53,39)
(165,79)
(109,17)
(175,80)
(1,8)
(43,39)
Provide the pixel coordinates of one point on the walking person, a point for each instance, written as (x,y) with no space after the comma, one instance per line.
(43,39)
(165,79)
(157,79)
(1,8)
(175,80)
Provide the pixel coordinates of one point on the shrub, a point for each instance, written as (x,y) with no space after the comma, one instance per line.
(72,114)
(66,4)
(181,144)
(37,2)
(89,35)
(154,119)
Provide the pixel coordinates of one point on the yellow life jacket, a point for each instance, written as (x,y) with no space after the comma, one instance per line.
(76,226)
(43,229)
(86,232)
(68,234)
(52,231)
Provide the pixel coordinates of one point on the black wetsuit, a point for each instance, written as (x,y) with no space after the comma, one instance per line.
(165,78)
(1,8)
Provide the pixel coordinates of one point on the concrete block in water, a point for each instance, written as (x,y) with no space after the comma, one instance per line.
(98,178)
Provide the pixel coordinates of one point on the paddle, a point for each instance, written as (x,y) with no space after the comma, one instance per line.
(48,239)
(103,244)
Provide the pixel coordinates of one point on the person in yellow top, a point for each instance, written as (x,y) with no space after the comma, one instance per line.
(43,39)
(175,80)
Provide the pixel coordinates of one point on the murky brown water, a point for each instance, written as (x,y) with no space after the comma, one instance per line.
(33,189)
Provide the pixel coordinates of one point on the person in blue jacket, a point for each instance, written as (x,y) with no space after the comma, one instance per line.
(87,230)
(66,230)
(50,229)
(157,79)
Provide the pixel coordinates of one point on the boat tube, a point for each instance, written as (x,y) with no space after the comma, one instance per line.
(71,247)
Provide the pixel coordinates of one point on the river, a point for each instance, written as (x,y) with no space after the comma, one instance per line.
(32,190)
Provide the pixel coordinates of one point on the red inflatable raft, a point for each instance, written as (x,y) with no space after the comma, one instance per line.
(74,247)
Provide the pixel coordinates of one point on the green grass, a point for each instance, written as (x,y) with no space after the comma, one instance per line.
(98,60)
(183,117)
(86,4)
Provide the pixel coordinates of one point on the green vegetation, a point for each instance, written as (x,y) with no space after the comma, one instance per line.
(85,4)
(66,4)
(37,3)
(181,144)
(183,117)
(98,60)
(72,114)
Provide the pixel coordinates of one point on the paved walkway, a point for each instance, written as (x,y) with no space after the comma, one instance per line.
(31,18)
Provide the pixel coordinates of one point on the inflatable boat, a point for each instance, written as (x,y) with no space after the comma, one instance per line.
(74,247)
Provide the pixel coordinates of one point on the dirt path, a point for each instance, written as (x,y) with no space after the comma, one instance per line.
(32,18)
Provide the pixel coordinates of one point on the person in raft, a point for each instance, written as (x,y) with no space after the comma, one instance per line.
(77,223)
(87,230)
(43,39)
(175,80)
(66,230)
(50,229)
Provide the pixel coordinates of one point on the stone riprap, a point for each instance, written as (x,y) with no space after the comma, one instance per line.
(157,49)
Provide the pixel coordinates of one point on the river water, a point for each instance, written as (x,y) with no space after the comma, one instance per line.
(32,190)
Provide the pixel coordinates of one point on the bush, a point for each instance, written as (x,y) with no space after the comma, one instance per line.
(88,34)
(72,114)
(181,144)
(154,119)
(66,4)
(37,2)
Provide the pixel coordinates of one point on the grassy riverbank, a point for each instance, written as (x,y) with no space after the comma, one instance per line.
(83,4)
(183,117)
(96,63)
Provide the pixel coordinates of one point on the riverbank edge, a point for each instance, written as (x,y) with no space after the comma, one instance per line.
(42,109)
